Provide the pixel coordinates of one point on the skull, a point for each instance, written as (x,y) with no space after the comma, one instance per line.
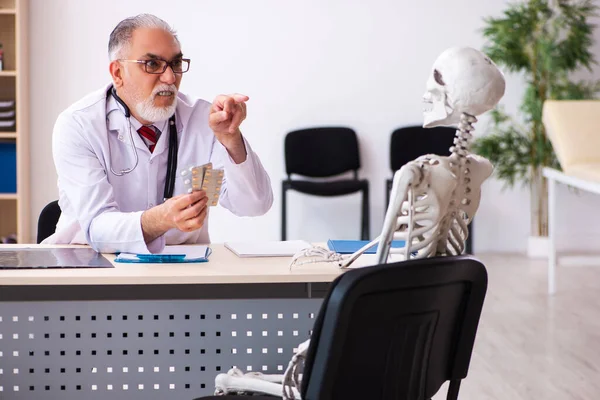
(463,80)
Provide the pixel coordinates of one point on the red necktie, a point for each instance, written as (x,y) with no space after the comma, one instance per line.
(149,134)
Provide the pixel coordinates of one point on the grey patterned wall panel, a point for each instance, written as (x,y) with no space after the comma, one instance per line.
(143,349)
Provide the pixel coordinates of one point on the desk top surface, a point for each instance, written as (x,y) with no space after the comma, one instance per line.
(223,267)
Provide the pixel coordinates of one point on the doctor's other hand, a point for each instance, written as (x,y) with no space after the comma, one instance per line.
(185,212)
(226,115)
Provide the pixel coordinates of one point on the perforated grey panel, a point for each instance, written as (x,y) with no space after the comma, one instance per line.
(143,349)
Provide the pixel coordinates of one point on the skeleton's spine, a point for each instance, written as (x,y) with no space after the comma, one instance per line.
(462,141)
(459,164)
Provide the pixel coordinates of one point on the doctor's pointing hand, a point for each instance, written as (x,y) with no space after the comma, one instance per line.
(226,115)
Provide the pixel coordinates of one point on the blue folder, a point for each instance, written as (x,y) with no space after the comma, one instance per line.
(171,254)
(350,246)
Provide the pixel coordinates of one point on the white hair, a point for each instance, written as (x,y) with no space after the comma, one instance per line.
(120,37)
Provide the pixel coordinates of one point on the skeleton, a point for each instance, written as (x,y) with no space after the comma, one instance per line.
(434,198)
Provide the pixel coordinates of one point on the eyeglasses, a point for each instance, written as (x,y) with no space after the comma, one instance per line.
(158,66)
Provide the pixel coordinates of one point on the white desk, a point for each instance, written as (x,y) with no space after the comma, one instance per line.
(151,331)
(223,267)
(555,177)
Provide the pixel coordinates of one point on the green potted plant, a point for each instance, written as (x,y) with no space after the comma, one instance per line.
(546,41)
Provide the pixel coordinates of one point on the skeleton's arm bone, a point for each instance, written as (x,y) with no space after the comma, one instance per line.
(403,179)
(226,383)
(285,385)
(359,252)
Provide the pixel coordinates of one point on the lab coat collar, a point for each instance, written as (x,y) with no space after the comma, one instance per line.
(162,126)
(163,140)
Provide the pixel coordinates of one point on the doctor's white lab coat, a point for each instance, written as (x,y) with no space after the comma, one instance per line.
(104,210)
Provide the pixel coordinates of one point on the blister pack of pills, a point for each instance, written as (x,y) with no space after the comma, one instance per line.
(204,177)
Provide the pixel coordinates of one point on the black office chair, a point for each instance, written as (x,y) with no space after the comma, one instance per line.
(48,220)
(411,142)
(395,331)
(319,153)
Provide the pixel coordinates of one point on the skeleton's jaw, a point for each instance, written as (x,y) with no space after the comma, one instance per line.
(437,113)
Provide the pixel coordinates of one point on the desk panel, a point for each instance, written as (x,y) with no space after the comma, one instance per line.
(152,331)
(146,341)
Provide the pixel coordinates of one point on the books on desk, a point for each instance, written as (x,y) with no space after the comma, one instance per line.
(350,246)
(170,254)
(286,248)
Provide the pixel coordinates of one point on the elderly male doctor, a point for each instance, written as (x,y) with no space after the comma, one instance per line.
(112,190)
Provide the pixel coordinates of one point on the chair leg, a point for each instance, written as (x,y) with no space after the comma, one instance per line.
(453,390)
(283,211)
(365,231)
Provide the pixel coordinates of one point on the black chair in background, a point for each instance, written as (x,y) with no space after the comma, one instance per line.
(319,153)
(411,142)
(48,220)
(395,331)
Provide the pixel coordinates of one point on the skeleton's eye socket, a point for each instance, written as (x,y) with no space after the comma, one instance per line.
(438,77)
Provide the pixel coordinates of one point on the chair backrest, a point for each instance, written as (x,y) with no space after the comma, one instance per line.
(572,127)
(396,331)
(321,152)
(410,142)
(48,220)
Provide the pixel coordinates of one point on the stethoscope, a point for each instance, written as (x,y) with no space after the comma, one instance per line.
(173,147)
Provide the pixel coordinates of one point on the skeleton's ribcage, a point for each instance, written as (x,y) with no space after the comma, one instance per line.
(418,225)
(457,235)
(431,232)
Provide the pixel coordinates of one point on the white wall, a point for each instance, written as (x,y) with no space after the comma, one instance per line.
(357,63)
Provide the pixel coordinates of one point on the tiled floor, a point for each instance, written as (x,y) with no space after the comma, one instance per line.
(534,346)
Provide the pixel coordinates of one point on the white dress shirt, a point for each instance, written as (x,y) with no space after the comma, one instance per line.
(104,210)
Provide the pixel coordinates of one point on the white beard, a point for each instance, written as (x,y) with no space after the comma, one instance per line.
(147,111)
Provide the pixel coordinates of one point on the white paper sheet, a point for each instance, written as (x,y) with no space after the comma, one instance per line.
(267,249)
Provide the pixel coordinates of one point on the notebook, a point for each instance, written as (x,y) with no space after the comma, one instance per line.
(285,248)
(170,254)
(350,246)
